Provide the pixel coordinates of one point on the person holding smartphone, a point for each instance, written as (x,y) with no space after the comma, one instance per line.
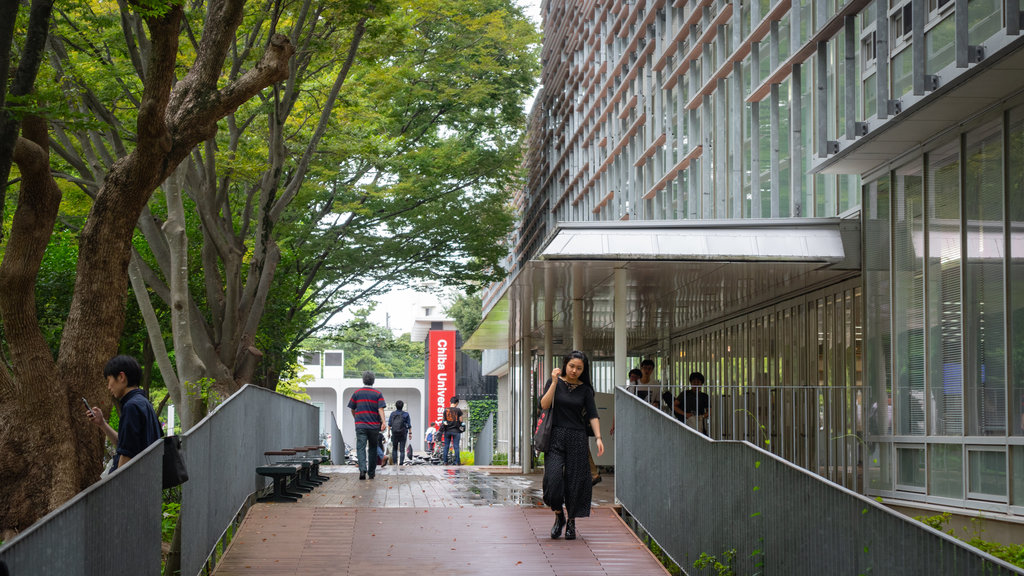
(138,426)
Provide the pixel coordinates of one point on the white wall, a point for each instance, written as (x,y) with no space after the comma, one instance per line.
(336,392)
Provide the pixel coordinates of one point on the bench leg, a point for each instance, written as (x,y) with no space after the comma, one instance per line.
(280,494)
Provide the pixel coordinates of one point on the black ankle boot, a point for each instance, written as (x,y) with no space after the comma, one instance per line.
(570,529)
(556,530)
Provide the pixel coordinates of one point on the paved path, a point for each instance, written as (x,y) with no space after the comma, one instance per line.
(431,520)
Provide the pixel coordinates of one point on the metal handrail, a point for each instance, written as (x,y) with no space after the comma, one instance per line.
(778,517)
(114,526)
(222,453)
(111,527)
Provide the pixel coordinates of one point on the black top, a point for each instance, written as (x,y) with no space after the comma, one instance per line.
(452,416)
(569,405)
(138,427)
(693,401)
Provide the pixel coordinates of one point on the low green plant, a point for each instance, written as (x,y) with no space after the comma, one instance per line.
(664,558)
(500,459)
(721,567)
(169,520)
(1012,553)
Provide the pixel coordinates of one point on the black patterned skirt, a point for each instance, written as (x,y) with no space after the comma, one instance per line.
(567,481)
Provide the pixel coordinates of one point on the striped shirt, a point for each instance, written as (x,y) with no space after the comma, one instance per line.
(364,404)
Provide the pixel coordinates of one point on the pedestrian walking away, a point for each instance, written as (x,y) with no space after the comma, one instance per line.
(401,430)
(367,406)
(567,481)
(452,427)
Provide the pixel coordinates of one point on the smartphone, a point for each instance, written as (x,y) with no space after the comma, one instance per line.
(87,407)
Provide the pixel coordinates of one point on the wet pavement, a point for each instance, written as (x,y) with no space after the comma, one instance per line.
(439,487)
(432,519)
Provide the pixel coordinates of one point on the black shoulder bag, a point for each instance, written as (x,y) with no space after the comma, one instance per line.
(175,473)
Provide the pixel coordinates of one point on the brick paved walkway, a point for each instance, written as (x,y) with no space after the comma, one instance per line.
(431,520)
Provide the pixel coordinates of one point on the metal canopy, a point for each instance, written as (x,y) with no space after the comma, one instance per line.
(679,276)
(932,114)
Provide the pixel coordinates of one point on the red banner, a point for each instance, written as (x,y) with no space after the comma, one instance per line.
(440,372)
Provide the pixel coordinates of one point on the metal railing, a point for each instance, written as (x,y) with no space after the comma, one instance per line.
(818,428)
(778,517)
(483,452)
(111,527)
(338,455)
(222,453)
(95,534)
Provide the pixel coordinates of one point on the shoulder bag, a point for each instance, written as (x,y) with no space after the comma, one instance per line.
(175,473)
(542,434)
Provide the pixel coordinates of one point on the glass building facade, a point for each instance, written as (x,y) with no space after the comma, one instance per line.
(900,379)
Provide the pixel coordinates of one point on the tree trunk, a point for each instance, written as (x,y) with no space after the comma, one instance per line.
(36,416)
(41,399)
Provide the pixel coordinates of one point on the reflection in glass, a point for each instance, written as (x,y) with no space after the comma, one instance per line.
(987,473)
(908,297)
(947,470)
(910,467)
(985,374)
(1015,204)
(945,365)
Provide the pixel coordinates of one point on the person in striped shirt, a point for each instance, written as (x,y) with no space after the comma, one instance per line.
(367,406)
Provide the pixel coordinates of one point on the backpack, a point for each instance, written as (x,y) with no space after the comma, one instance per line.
(398,427)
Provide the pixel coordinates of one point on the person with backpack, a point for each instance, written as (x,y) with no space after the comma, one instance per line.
(452,427)
(401,430)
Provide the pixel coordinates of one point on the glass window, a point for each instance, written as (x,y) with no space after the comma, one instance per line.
(940,46)
(985,374)
(901,73)
(870,91)
(945,367)
(987,478)
(784,37)
(908,297)
(785,152)
(880,466)
(1015,204)
(910,472)
(946,464)
(878,331)
(984,19)
(1017,453)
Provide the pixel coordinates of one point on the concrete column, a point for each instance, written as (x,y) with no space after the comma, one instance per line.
(527,392)
(549,297)
(577,306)
(620,325)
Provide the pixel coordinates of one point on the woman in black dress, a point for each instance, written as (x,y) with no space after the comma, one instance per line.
(567,483)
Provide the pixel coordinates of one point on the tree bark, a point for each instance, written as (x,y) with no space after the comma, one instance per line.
(35,415)
(174,116)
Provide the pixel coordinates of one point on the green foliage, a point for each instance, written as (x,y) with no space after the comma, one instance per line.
(479,410)
(662,557)
(721,567)
(467,311)
(1012,553)
(169,519)
(500,459)
(295,387)
(368,346)
(204,388)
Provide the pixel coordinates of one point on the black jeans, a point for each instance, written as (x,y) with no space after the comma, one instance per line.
(398,442)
